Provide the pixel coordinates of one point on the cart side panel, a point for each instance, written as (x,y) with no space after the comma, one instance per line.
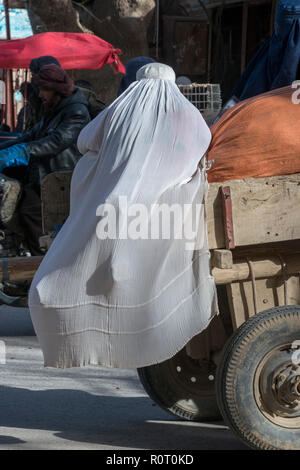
(269,294)
(264,210)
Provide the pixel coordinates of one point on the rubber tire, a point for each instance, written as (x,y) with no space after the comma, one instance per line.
(235,373)
(165,391)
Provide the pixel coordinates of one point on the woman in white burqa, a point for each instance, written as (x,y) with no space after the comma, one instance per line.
(122,285)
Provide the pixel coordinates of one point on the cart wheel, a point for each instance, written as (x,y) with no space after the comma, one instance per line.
(183,386)
(258,380)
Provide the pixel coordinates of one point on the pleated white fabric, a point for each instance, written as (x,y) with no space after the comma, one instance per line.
(129,302)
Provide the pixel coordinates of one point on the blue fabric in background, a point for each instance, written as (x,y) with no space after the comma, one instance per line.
(14,156)
(276,62)
(132,66)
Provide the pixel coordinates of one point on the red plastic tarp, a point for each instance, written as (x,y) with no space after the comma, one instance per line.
(73,51)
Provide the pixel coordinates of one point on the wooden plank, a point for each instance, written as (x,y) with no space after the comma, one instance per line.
(262,267)
(265,210)
(19,268)
(270,293)
(227,216)
(222,259)
(237,313)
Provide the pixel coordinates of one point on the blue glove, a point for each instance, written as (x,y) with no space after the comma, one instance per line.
(14,156)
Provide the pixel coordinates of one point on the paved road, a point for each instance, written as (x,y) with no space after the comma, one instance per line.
(84,408)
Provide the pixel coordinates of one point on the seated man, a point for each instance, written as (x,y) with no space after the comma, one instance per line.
(50,146)
(30,114)
(34,110)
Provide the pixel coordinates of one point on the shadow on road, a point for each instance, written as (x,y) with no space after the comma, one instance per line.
(6,440)
(107,420)
(15,321)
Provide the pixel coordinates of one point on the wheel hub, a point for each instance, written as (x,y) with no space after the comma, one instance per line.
(277,387)
(288,387)
(196,377)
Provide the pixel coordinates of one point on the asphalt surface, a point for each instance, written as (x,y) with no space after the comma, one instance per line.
(84,408)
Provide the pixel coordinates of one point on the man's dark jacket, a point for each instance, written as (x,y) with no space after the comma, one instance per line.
(52,141)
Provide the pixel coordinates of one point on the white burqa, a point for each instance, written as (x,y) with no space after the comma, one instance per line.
(129,301)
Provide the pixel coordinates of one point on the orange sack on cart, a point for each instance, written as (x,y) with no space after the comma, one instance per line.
(258,137)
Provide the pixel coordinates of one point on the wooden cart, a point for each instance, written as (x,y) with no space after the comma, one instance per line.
(252,377)
(246,365)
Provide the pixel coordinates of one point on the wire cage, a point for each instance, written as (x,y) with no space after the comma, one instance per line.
(206,97)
